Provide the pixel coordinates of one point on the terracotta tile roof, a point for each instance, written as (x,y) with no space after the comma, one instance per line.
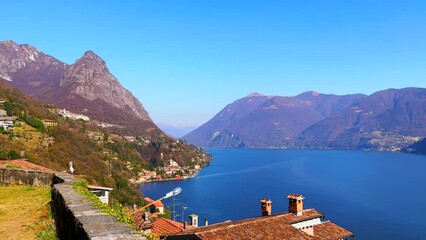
(330,231)
(157,204)
(274,227)
(307,214)
(164,227)
(24,164)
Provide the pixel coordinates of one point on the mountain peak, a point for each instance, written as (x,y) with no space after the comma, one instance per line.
(309,93)
(8,43)
(256,94)
(90,54)
(24,49)
(18,59)
(90,57)
(90,78)
(87,85)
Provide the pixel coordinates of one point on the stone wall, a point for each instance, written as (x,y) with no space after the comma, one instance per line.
(74,217)
(14,176)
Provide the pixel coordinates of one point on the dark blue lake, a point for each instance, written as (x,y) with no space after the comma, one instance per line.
(377,195)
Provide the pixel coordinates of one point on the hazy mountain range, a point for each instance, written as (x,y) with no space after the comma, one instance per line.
(387,120)
(176,131)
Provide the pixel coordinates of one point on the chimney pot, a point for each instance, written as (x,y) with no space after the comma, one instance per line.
(295,203)
(266,206)
(193,219)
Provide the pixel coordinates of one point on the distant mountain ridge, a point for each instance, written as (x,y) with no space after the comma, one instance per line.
(87,86)
(176,131)
(389,119)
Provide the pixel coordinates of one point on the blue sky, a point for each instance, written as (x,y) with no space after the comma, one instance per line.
(185,60)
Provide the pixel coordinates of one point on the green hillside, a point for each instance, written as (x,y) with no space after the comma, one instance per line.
(100,155)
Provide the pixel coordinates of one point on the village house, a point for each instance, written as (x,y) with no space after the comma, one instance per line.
(156,207)
(73,116)
(101,192)
(165,227)
(298,223)
(129,138)
(6,122)
(173,163)
(3,113)
(98,136)
(49,123)
(105,125)
(147,175)
(2,101)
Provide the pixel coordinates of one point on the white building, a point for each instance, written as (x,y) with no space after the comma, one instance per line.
(73,116)
(173,163)
(6,122)
(101,192)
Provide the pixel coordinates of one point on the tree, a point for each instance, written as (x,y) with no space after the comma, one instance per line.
(13,155)
(3,154)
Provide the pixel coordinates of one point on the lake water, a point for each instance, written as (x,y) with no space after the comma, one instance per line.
(377,195)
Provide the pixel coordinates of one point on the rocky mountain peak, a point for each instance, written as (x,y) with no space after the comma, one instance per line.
(90,78)
(27,68)
(9,43)
(91,60)
(91,56)
(85,86)
(25,51)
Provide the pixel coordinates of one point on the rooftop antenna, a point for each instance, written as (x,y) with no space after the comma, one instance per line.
(175,203)
(183,212)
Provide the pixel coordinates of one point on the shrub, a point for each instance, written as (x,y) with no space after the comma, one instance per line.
(115,210)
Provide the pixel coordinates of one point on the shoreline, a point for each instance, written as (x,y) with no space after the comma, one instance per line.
(168,179)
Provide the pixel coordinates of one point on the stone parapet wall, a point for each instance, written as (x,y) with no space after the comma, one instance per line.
(74,217)
(16,176)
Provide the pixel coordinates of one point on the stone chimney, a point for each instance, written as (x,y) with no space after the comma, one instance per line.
(266,206)
(295,204)
(193,220)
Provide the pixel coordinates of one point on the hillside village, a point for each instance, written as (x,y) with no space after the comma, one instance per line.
(36,132)
(33,130)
